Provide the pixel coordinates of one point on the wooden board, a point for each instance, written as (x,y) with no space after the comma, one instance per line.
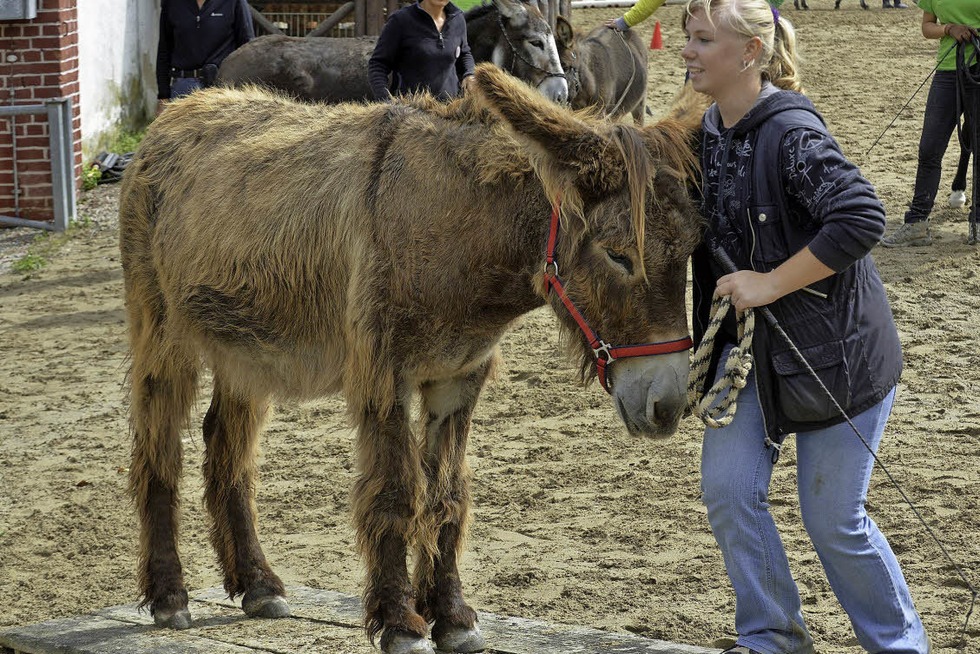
(322,621)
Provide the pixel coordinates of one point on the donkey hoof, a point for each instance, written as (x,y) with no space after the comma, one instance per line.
(460,640)
(402,642)
(173,619)
(265,606)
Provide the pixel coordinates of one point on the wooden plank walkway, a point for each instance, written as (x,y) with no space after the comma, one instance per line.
(322,621)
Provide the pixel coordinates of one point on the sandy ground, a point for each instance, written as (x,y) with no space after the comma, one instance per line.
(574,521)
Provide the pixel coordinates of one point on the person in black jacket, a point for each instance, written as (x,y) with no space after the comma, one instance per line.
(195,37)
(424,48)
(798,221)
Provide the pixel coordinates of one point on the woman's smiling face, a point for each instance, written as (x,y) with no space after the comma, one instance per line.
(715,55)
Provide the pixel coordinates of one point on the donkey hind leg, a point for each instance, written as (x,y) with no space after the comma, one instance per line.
(161,396)
(386,500)
(447,408)
(231,431)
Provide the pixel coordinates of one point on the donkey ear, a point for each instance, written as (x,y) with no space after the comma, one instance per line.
(564,34)
(511,9)
(553,130)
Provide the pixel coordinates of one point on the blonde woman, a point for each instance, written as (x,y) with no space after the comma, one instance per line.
(798,220)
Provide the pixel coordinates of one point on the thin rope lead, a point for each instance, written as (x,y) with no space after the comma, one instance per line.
(629,84)
(941,59)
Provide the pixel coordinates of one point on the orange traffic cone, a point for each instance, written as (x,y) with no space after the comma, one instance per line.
(657,42)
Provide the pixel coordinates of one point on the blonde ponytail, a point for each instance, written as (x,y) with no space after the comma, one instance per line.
(784,66)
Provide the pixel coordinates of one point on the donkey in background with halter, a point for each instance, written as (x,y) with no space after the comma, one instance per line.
(401,242)
(605,69)
(513,35)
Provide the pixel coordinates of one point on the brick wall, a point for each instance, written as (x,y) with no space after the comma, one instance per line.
(38,60)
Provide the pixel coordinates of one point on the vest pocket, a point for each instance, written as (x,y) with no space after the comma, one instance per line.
(798,393)
(768,241)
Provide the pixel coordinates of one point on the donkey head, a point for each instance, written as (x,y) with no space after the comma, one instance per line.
(628,229)
(568,56)
(527,49)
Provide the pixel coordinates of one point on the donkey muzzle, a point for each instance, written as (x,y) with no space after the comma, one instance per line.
(650,393)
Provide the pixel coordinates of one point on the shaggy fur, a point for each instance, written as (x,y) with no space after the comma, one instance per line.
(380,251)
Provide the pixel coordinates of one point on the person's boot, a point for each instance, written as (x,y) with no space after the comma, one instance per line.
(973,236)
(914,234)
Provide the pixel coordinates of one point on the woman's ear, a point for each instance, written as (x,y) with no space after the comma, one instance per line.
(753,48)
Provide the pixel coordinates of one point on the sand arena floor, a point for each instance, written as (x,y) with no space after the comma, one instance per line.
(574,520)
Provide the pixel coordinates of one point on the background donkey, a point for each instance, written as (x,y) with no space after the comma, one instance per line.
(605,69)
(380,250)
(513,35)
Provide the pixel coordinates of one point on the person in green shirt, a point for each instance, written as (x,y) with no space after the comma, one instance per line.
(636,15)
(954,22)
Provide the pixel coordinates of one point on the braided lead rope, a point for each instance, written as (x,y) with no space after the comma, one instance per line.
(737,368)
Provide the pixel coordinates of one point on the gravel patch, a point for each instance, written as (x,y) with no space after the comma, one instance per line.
(98,207)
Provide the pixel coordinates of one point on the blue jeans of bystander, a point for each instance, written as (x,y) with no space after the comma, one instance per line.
(180,86)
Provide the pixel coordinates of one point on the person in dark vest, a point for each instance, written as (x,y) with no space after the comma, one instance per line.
(423,47)
(798,220)
(195,37)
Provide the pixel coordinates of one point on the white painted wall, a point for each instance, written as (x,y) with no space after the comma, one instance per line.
(117,45)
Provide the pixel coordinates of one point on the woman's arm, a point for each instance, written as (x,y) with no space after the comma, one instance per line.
(933,29)
(639,13)
(244,31)
(164,52)
(842,209)
(382,60)
(464,63)
(749,289)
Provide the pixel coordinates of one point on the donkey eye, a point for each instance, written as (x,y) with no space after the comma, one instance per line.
(621,260)
(537,43)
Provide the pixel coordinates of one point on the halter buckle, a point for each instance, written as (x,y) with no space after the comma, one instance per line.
(605,349)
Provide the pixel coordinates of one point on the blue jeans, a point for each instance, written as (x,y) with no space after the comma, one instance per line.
(937,127)
(180,86)
(833,471)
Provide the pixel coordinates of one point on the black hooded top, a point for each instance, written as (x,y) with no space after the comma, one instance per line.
(420,57)
(774,183)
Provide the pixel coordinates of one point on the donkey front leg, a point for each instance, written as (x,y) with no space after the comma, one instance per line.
(386,500)
(162,393)
(447,408)
(231,431)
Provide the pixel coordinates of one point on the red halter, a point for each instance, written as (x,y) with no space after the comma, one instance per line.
(604,353)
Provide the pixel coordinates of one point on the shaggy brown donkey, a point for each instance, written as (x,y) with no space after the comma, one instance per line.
(380,251)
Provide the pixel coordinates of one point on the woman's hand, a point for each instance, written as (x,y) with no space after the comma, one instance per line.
(962,33)
(468,83)
(748,289)
(617,24)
